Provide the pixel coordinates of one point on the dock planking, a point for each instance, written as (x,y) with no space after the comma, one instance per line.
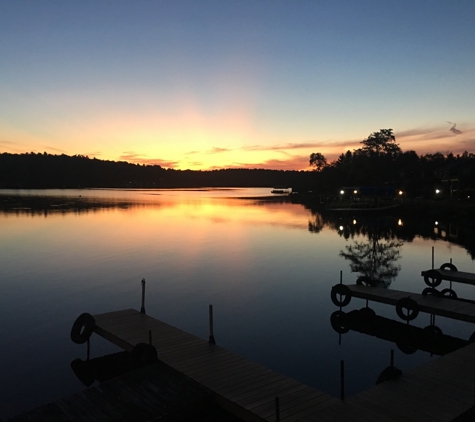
(195,379)
(153,393)
(239,384)
(248,390)
(442,306)
(451,275)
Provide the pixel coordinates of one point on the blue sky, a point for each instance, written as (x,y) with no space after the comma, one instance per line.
(213,84)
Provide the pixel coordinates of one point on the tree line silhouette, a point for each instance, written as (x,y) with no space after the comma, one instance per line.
(37,171)
(379,162)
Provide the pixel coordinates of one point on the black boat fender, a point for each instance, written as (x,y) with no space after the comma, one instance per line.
(83,328)
(410,305)
(341,295)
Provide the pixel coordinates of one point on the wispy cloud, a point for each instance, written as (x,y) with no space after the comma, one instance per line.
(195,163)
(135,158)
(11,147)
(296,162)
(217,150)
(454,130)
(93,154)
(50,148)
(437,139)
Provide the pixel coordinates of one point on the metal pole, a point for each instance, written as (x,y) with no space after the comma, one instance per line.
(277,409)
(432,257)
(341,276)
(142,309)
(342,379)
(211,334)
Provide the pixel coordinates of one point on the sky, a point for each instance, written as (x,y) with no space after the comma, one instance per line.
(209,84)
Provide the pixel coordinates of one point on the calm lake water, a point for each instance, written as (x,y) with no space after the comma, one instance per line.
(267,268)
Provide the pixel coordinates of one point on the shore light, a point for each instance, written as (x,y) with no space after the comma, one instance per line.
(400,192)
(355,191)
(437,191)
(436,223)
(399,222)
(354,221)
(342,192)
(341,228)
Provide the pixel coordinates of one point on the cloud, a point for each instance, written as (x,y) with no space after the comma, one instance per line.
(216,150)
(296,162)
(132,157)
(437,139)
(454,130)
(50,148)
(11,147)
(93,154)
(287,146)
(195,163)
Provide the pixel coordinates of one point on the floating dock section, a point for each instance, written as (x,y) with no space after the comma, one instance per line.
(447,307)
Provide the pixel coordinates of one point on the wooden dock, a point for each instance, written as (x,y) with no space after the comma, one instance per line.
(450,275)
(442,306)
(242,387)
(153,393)
(440,391)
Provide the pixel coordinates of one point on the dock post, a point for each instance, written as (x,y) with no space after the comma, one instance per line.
(342,380)
(277,409)
(211,339)
(432,257)
(142,309)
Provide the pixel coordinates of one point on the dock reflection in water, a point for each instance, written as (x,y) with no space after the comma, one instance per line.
(408,338)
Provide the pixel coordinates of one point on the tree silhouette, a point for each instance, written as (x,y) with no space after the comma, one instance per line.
(382,143)
(318,160)
(374,259)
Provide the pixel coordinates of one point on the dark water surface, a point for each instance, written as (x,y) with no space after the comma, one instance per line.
(267,268)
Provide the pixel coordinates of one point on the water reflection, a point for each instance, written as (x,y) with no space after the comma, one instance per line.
(37,205)
(374,260)
(408,338)
(403,224)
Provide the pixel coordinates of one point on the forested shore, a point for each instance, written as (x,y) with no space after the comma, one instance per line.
(379,163)
(47,171)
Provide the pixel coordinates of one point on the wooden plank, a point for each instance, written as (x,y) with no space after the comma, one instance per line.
(293,403)
(244,382)
(442,306)
(457,276)
(246,385)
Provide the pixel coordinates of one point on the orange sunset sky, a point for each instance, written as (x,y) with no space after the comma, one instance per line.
(248,84)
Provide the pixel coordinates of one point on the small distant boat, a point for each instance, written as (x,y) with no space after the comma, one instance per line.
(281,190)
